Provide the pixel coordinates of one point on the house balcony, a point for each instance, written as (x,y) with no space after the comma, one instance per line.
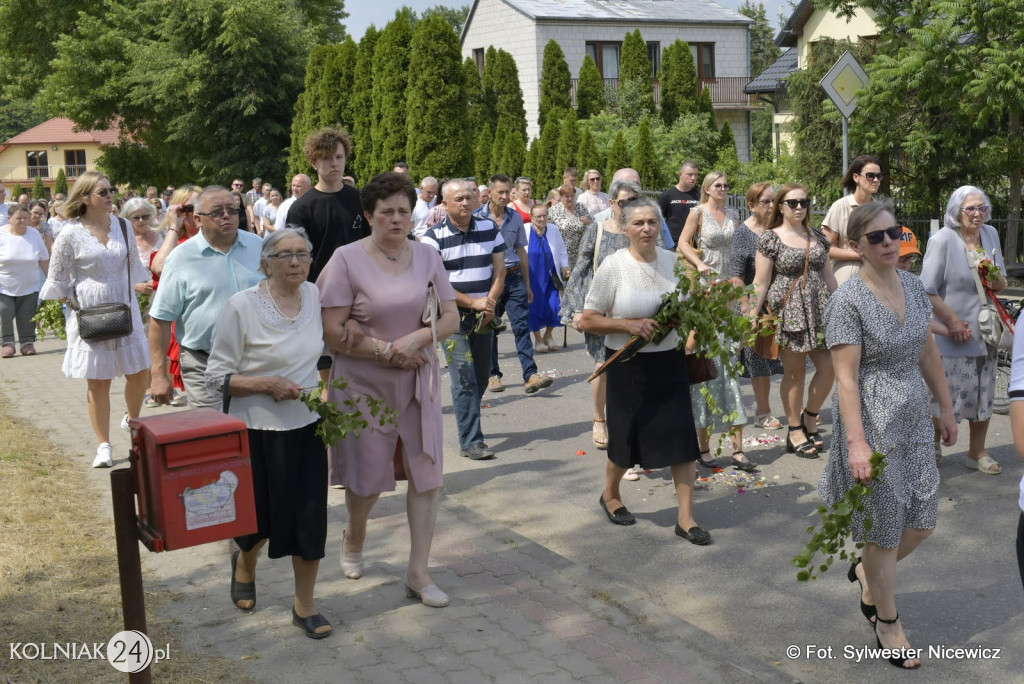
(26,175)
(726,91)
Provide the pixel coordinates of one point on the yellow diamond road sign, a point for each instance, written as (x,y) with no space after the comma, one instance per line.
(842,83)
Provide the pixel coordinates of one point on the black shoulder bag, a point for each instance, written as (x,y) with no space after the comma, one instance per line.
(106,321)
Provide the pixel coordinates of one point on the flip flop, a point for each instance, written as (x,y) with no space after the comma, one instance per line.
(983,465)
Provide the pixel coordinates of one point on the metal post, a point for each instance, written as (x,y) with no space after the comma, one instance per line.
(129,564)
(846,148)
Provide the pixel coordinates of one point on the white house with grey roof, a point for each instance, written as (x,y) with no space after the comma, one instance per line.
(719,39)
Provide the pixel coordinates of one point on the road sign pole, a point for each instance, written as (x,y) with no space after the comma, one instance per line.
(846,144)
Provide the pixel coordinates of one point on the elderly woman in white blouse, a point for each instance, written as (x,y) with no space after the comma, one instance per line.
(649,415)
(261,387)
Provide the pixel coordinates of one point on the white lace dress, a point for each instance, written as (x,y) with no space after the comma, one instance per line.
(99,275)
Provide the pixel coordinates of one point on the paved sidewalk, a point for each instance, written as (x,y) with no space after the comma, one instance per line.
(519,612)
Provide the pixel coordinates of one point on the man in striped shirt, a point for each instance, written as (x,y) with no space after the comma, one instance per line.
(472,250)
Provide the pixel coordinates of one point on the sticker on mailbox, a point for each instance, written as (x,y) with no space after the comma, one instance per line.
(213,504)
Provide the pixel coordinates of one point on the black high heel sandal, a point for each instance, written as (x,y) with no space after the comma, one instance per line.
(707,462)
(816,439)
(895,661)
(804,449)
(868,610)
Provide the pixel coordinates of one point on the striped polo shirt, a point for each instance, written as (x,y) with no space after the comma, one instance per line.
(467,255)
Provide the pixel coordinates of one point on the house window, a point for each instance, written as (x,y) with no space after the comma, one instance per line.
(654,54)
(37,166)
(74,163)
(478,59)
(704,59)
(607,57)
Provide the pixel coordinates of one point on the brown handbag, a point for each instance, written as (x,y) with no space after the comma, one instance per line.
(767,343)
(700,368)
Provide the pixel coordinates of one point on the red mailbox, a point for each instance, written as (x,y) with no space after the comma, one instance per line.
(193,478)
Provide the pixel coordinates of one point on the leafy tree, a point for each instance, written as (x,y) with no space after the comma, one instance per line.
(618,155)
(38,189)
(763,50)
(555,82)
(455,16)
(568,142)
(17,116)
(60,184)
(436,114)
(678,82)
(636,90)
(545,176)
(482,158)
(586,154)
(508,95)
(589,89)
(645,159)
(361,165)
(513,156)
(390,78)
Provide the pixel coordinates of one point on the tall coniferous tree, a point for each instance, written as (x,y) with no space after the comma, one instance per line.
(636,88)
(497,149)
(436,114)
(509,110)
(361,164)
(490,96)
(483,149)
(589,90)
(587,156)
(390,79)
(568,142)
(335,98)
(645,158)
(618,156)
(678,82)
(555,81)
(530,165)
(513,156)
(304,118)
(547,156)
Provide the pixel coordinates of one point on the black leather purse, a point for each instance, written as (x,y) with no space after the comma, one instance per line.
(106,321)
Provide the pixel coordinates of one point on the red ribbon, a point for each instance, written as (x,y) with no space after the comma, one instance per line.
(1003,313)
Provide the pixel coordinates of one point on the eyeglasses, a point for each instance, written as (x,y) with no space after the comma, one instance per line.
(766,203)
(302,257)
(872,176)
(908,258)
(594,178)
(217,212)
(876,236)
(624,202)
(794,203)
(107,192)
(720,186)
(143,217)
(236,185)
(981,208)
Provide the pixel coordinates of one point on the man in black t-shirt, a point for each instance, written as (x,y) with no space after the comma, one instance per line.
(330,211)
(677,201)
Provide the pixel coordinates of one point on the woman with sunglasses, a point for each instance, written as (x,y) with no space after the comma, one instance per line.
(92,260)
(886,362)
(793,277)
(861,182)
(598,242)
(949,274)
(709,228)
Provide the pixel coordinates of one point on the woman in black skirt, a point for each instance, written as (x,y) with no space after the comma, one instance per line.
(648,405)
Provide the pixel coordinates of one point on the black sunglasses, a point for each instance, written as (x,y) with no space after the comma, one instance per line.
(794,203)
(872,176)
(895,233)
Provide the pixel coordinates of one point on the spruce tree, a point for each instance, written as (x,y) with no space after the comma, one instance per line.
(390,79)
(618,156)
(555,81)
(509,110)
(589,90)
(636,89)
(586,154)
(60,185)
(545,177)
(436,114)
(361,164)
(513,156)
(645,159)
(482,158)
(678,82)
(568,142)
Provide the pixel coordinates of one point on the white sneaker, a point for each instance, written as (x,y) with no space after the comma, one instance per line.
(103,459)
(124,423)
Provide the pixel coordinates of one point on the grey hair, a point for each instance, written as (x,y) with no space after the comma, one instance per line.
(622,184)
(956,203)
(642,202)
(429,180)
(450,186)
(273,238)
(136,203)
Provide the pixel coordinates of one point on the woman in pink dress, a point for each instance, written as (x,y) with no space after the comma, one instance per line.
(381,283)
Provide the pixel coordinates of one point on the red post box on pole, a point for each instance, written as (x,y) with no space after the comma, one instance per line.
(193,479)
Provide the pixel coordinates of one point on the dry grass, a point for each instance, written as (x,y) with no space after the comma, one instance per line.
(58,570)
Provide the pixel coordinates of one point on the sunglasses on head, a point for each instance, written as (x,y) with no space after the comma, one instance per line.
(794,203)
(876,236)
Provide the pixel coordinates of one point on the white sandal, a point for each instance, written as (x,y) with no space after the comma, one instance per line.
(767,421)
(983,464)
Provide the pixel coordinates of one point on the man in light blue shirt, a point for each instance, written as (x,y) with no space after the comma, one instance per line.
(198,278)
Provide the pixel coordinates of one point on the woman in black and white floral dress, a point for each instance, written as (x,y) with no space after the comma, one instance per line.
(886,361)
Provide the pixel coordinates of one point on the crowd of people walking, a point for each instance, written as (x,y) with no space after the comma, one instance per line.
(368,284)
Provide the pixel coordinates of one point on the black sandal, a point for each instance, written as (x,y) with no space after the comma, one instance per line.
(803,449)
(241,591)
(895,660)
(310,624)
(869,610)
(745,466)
(707,462)
(815,437)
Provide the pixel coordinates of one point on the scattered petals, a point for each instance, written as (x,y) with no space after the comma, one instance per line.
(581,452)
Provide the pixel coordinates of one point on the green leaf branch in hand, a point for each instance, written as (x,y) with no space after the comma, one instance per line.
(50,318)
(829,537)
(336,423)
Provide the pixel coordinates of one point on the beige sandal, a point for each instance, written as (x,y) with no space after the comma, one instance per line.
(600,441)
(984,464)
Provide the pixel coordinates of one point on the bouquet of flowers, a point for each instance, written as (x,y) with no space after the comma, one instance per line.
(988,270)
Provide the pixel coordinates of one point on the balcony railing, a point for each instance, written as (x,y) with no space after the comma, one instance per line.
(726,92)
(25,174)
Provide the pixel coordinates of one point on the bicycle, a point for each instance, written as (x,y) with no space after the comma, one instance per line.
(1004,361)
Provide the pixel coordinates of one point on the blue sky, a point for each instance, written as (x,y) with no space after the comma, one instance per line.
(362,13)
